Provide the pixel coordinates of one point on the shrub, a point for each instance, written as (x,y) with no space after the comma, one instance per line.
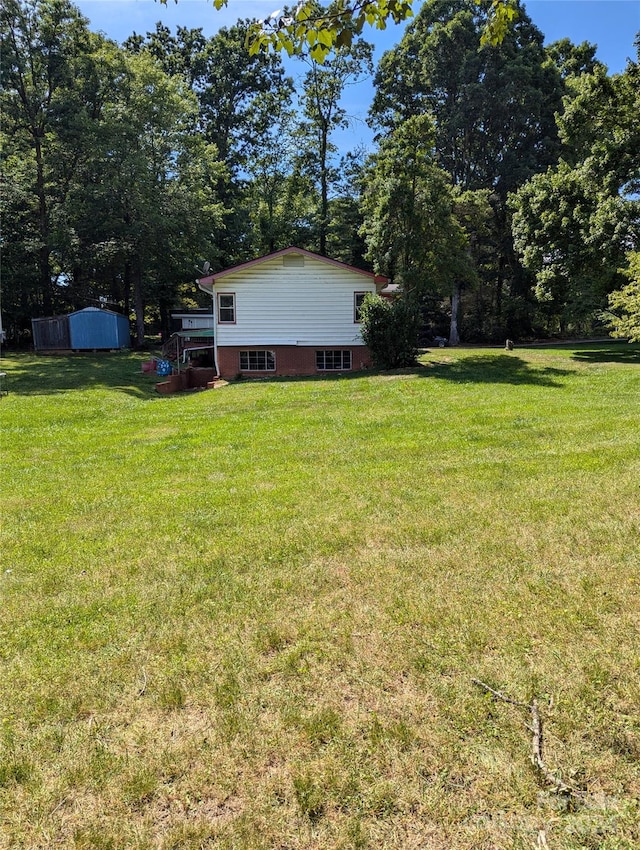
(390,329)
(624,320)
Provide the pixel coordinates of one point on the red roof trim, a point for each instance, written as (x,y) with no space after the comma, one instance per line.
(213,278)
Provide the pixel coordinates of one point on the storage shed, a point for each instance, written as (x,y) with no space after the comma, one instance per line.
(96,328)
(85,330)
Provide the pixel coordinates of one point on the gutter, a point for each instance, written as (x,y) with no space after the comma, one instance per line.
(212,293)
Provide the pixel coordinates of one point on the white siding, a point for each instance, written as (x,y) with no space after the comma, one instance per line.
(191,322)
(277,304)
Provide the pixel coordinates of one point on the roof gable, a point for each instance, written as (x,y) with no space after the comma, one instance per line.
(291,252)
(101,310)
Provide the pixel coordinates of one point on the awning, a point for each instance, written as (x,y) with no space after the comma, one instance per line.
(199,332)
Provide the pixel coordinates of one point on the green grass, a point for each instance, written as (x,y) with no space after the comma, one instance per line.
(249,618)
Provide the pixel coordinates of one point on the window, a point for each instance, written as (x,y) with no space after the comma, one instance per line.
(333,361)
(257,361)
(226,307)
(358,298)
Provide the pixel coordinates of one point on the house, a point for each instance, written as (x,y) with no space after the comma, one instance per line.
(90,329)
(289,313)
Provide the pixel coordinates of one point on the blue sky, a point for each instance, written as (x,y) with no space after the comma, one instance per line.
(610,24)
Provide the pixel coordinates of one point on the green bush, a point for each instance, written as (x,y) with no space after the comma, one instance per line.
(390,329)
(624,320)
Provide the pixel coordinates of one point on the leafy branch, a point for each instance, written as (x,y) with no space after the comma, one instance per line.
(308,26)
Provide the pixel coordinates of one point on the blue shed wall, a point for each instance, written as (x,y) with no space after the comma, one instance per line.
(93,328)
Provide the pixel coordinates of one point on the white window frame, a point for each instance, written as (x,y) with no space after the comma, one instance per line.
(345,354)
(231,295)
(255,367)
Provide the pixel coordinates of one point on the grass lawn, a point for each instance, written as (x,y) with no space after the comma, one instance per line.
(250,618)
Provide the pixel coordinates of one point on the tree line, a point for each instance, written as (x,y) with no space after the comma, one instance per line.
(502,194)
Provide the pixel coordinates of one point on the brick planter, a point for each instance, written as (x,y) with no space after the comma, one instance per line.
(192,378)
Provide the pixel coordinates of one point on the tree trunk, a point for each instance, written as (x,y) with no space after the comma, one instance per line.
(324,191)
(44,251)
(126,287)
(499,282)
(454,338)
(139,307)
(165,320)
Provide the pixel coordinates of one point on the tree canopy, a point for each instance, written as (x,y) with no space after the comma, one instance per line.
(575,223)
(501,190)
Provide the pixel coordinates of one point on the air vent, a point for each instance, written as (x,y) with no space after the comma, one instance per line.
(293,261)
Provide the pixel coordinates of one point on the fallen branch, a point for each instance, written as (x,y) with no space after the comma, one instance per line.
(57,808)
(142,690)
(499,694)
(537,752)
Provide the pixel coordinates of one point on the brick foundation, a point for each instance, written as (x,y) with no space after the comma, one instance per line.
(291,360)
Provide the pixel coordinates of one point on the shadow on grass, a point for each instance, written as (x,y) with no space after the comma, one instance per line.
(485,368)
(48,375)
(32,375)
(494,369)
(626,354)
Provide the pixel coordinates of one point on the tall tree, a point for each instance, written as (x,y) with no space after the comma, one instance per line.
(412,233)
(281,199)
(230,87)
(108,189)
(153,189)
(50,96)
(493,108)
(345,238)
(574,224)
(323,88)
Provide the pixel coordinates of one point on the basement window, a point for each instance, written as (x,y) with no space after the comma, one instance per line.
(331,360)
(257,361)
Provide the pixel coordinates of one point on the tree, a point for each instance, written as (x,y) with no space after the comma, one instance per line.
(574,264)
(493,109)
(624,304)
(573,60)
(412,233)
(473,214)
(574,224)
(323,87)
(231,88)
(345,238)
(153,188)
(51,94)
(282,201)
(224,79)
(108,189)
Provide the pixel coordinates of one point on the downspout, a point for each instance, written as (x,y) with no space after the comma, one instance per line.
(215,330)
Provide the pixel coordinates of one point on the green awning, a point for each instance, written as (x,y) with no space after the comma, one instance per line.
(198,332)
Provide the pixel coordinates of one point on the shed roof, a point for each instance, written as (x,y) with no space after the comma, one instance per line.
(95,310)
